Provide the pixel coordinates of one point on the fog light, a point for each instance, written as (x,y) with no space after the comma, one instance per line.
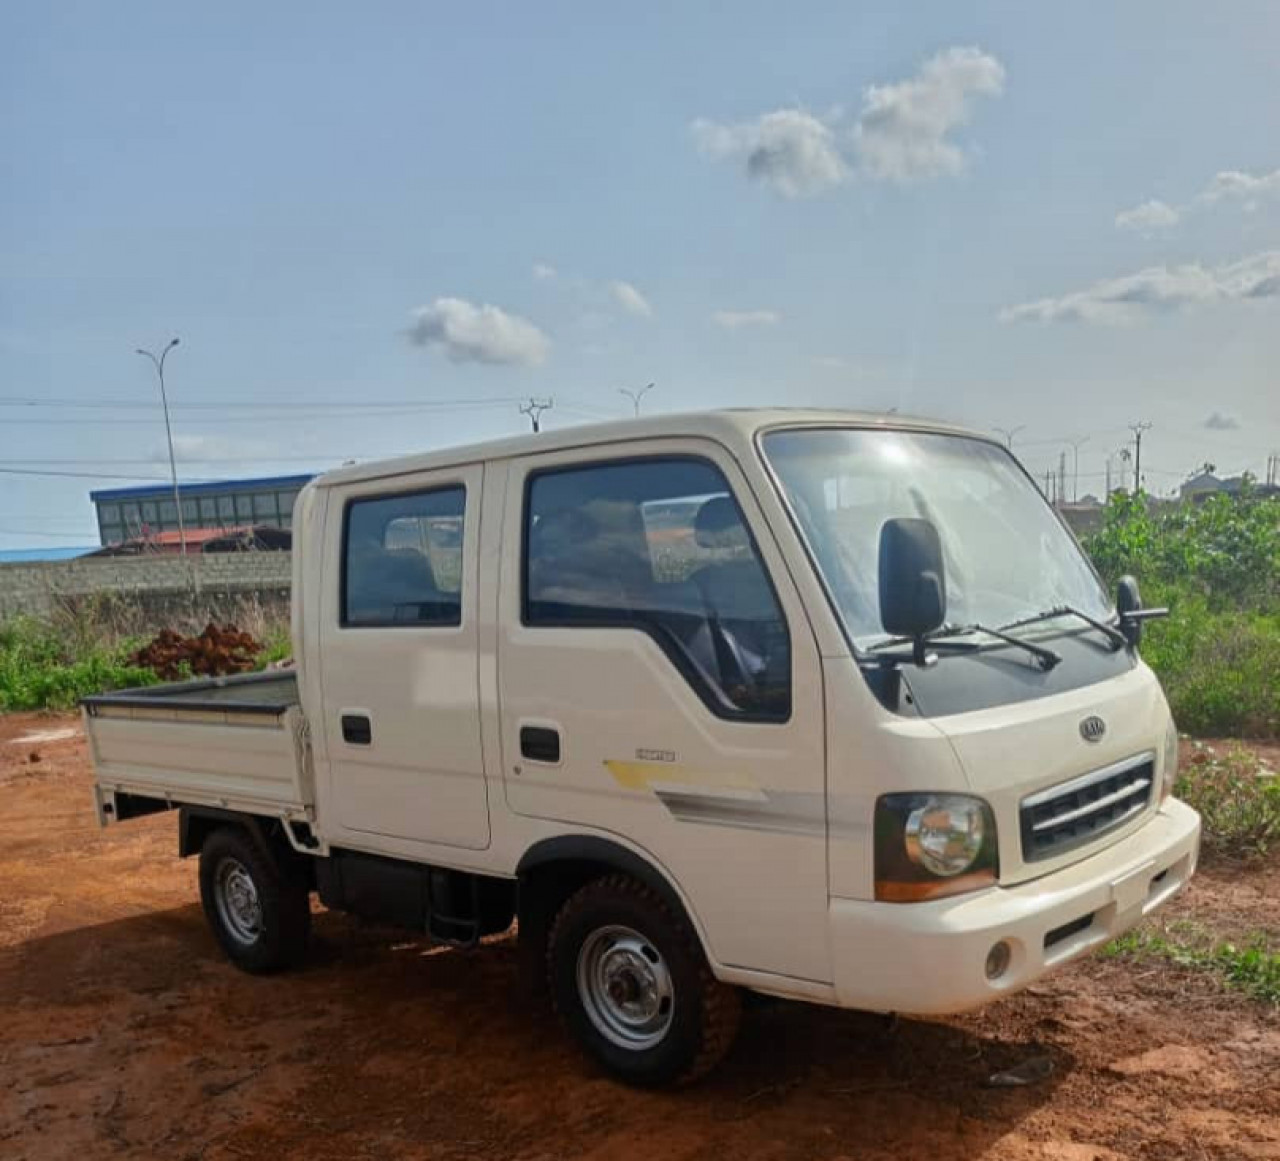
(998,960)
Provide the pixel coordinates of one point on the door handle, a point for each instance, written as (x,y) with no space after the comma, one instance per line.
(357,729)
(540,743)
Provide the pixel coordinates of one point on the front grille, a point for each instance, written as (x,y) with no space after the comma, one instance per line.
(1077,812)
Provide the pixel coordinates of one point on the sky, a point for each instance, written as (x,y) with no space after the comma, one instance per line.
(376,228)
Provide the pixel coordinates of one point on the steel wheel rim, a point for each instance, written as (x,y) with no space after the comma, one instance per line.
(625,987)
(239,907)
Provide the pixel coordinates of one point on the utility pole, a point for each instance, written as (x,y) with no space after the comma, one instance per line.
(1062,477)
(636,396)
(534,408)
(1137,429)
(1009,433)
(168,431)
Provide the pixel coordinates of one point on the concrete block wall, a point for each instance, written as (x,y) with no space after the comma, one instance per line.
(38,589)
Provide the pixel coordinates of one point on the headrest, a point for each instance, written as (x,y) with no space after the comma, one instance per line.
(718,524)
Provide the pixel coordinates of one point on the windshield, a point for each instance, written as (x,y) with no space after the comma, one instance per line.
(1007,555)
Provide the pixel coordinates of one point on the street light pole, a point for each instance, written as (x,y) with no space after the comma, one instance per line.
(636,396)
(1009,433)
(168,431)
(1075,465)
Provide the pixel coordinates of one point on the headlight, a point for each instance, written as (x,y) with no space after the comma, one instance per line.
(1169,765)
(931,845)
(945,835)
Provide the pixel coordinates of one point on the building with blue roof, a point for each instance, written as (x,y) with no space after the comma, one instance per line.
(129,513)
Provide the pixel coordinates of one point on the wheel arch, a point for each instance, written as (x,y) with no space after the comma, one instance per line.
(197,823)
(553,869)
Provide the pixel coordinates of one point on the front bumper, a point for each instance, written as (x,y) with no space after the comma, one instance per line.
(930,958)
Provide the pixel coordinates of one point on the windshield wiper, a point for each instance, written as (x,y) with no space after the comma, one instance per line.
(1046,658)
(1113,635)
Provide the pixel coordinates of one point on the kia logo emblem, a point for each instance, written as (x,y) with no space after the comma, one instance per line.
(1092,728)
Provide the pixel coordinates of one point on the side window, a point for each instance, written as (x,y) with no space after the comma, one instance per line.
(660,545)
(402,559)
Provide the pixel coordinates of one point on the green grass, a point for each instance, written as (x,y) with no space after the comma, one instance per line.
(1252,967)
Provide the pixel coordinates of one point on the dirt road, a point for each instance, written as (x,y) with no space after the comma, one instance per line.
(125,1034)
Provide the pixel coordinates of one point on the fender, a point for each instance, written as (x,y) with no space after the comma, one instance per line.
(568,862)
(194,826)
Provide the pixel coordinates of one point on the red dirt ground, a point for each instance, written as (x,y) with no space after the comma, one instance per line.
(126,1034)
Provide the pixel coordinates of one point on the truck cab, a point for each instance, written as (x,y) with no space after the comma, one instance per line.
(826,705)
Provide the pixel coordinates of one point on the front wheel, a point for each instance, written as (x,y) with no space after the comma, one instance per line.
(630,981)
(258,907)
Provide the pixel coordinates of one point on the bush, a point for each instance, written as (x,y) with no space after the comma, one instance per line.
(1225,548)
(1220,670)
(1238,799)
(42,669)
(1216,564)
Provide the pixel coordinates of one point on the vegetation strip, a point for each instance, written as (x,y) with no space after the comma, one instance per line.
(1252,968)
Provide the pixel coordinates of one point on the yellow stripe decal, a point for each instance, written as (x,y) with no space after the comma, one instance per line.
(642,775)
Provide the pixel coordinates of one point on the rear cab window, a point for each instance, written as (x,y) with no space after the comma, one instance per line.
(402,559)
(660,545)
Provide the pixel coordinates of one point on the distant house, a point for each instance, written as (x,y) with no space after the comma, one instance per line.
(1200,485)
(1207,484)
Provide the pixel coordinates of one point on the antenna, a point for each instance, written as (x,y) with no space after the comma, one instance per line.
(636,396)
(534,408)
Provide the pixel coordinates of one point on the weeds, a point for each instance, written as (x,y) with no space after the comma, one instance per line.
(1238,799)
(41,669)
(84,648)
(1252,968)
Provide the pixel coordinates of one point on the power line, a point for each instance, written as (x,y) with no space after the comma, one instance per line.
(78,475)
(255,404)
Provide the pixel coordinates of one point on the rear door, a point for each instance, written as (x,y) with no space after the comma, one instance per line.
(659,681)
(401,711)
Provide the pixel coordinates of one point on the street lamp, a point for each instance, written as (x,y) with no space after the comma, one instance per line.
(168,431)
(636,396)
(1076,444)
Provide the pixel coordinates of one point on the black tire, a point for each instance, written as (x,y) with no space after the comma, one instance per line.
(231,864)
(701,1014)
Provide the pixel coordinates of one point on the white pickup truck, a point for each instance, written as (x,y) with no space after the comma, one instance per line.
(824,705)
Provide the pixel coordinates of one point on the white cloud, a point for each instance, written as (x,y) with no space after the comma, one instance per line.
(733,320)
(1118,300)
(630,299)
(1246,188)
(1148,217)
(902,132)
(1228,186)
(468,333)
(1222,421)
(544,272)
(789,150)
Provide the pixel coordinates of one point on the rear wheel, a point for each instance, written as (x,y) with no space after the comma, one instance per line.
(258,906)
(630,981)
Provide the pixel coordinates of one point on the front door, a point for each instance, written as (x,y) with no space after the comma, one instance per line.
(659,682)
(399,667)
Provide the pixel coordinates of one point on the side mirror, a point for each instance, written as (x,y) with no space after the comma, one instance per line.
(913,589)
(1132,614)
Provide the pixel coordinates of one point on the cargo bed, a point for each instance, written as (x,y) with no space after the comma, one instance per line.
(238,743)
